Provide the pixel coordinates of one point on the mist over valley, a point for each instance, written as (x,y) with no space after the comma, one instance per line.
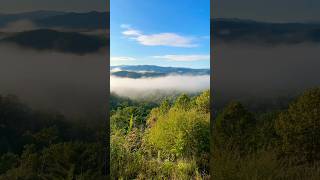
(141,81)
(55,61)
(260,60)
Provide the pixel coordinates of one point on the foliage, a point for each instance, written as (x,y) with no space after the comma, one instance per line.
(171,142)
(44,145)
(180,134)
(235,126)
(276,144)
(299,128)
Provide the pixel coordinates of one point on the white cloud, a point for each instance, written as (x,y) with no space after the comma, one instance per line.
(122,58)
(165,39)
(131,32)
(192,57)
(160,39)
(115,70)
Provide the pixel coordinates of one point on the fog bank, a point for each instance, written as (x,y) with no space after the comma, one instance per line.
(135,88)
(67,83)
(244,71)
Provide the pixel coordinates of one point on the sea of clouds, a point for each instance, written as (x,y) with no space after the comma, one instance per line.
(55,81)
(135,88)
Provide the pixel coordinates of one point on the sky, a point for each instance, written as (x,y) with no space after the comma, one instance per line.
(160,32)
(16,6)
(268,10)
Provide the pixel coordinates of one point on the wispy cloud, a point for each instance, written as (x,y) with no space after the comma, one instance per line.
(122,58)
(192,57)
(159,39)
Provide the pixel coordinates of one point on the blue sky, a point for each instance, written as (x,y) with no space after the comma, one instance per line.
(160,32)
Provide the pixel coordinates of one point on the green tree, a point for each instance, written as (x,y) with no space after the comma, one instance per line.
(203,102)
(234,127)
(157,112)
(181,132)
(8,161)
(299,128)
(182,102)
(121,118)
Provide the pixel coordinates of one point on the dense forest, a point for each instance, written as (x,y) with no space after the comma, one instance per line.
(40,145)
(278,143)
(166,139)
(249,140)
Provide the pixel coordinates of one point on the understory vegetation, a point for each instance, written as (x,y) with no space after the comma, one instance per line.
(167,140)
(38,145)
(279,144)
(170,140)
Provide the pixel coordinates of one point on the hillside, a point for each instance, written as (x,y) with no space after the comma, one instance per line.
(268,33)
(90,21)
(56,19)
(67,42)
(140,71)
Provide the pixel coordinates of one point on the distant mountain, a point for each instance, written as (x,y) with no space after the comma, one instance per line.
(33,15)
(54,19)
(67,42)
(151,71)
(90,21)
(5,19)
(137,75)
(268,33)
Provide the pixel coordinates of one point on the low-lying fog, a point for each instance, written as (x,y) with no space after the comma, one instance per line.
(67,83)
(245,71)
(135,88)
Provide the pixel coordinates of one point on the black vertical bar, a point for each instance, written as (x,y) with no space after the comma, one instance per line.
(107,125)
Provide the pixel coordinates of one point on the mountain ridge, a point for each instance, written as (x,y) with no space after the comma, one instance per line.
(90,20)
(153,71)
(265,33)
(48,39)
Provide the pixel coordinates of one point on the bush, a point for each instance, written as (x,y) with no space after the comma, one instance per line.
(299,128)
(234,126)
(172,144)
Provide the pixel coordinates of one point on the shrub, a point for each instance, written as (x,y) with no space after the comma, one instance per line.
(299,128)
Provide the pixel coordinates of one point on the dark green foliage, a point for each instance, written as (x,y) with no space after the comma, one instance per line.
(276,144)
(7,161)
(234,126)
(120,118)
(67,42)
(59,161)
(43,145)
(116,102)
(299,128)
(266,136)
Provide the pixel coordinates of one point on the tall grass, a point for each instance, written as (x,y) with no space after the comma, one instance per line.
(263,165)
